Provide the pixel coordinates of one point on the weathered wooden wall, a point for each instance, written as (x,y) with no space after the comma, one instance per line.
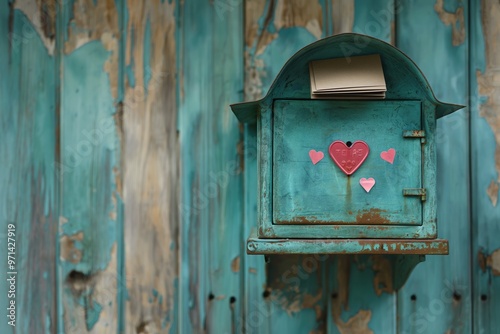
(133,188)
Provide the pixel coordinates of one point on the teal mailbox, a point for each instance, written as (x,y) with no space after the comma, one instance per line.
(347,176)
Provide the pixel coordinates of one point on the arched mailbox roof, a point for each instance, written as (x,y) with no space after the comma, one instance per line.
(404,80)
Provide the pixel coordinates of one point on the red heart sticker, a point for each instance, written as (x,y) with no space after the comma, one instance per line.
(349,159)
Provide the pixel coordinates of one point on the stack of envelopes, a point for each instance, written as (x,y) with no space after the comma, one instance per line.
(358,77)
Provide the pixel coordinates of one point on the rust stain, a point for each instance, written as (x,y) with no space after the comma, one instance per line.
(69,251)
(382,282)
(456,20)
(235,264)
(372,216)
(369,217)
(492,192)
(42,16)
(493,261)
(489,81)
(252,270)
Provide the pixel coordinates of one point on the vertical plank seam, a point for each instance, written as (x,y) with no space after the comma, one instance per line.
(121,261)
(59,281)
(470,14)
(242,254)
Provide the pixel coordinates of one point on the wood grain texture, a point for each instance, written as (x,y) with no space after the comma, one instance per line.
(90,167)
(28,150)
(151,167)
(211,77)
(485,163)
(280,296)
(99,158)
(437,297)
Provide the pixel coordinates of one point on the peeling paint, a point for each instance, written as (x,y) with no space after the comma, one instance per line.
(493,261)
(91,305)
(253,13)
(42,15)
(456,20)
(254,70)
(489,81)
(69,251)
(342,16)
(235,265)
(287,14)
(307,14)
(97,21)
(357,324)
(492,192)
(382,282)
(277,15)
(481,260)
(293,303)
(151,163)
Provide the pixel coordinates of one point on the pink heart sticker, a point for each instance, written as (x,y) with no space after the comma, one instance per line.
(388,155)
(349,158)
(316,156)
(367,184)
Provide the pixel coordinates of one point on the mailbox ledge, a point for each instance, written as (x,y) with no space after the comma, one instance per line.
(257,246)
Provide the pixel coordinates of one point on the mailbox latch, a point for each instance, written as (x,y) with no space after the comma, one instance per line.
(415,192)
(415,134)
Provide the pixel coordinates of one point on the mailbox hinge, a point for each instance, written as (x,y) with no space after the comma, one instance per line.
(415,134)
(415,192)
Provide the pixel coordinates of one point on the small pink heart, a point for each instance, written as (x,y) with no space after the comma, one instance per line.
(367,184)
(316,156)
(388,155)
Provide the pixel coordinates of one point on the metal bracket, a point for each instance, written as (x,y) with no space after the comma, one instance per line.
(416,192)
(415,134)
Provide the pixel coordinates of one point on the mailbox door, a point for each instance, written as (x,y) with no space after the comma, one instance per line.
(308,191)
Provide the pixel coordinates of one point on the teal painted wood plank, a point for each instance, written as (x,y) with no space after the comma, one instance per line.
(278,299)
(29,197)
(361,295)
(361,290)
(89,231)
(194,287)
(485,164)
(256,316)
(376,19)
(437,296)
(211,56)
